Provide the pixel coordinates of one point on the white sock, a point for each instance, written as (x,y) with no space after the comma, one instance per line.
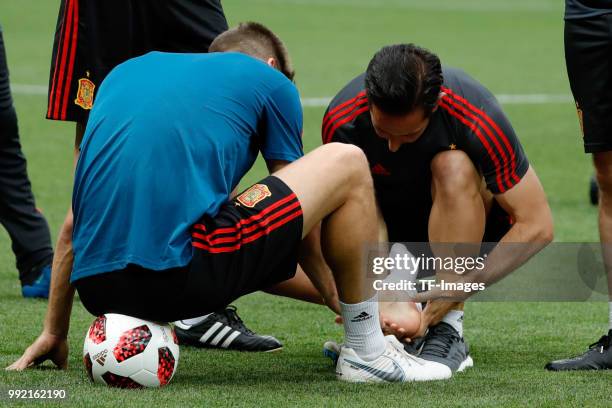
(195,320)
(455,319)
(362,330)
(610,309)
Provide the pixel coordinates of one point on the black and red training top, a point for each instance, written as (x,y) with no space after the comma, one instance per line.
(468,118)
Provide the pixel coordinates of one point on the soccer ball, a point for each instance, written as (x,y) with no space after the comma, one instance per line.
(126,352)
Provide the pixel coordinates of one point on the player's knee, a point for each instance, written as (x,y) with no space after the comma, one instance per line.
(352,160)
(603,172)
(454,173)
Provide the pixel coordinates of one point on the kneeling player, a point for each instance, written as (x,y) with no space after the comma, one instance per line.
(447,168)
(155,234)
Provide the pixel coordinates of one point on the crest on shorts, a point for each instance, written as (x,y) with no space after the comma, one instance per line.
(253,195)
(580,118)
(85,93)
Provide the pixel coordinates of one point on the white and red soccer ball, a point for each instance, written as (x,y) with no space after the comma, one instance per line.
(123,351)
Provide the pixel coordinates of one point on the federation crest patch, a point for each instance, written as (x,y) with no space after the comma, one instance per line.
(85,93)
(253,195)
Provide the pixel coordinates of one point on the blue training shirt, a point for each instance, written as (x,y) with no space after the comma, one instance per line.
(169,137)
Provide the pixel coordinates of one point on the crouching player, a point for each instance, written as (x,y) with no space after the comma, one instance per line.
(155,234)
(447,168)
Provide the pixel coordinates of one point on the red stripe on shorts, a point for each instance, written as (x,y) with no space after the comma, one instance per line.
(251,238)
(73,47)
(58,60)
(65,46)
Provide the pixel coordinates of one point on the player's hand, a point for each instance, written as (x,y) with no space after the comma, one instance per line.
(426,321)
(46,347)
(433,313)
(333,302)
(437,294)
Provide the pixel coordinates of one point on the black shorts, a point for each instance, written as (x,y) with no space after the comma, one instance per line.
(588,56)
(94,36)
(251,244)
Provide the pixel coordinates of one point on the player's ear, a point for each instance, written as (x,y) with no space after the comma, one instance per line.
(272,62)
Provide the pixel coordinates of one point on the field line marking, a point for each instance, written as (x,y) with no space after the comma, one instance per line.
(320,102)
(506,99)
(427,5)
(25,89)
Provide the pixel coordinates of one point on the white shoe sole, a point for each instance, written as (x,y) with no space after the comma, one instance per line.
(467,363)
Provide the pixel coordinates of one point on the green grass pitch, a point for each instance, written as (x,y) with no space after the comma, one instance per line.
(514,47)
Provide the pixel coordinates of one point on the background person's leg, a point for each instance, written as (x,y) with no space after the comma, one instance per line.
(603,167)
(27,228)
(589,63)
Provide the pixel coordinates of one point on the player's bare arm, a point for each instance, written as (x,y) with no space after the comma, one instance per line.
(533,225)
(52,343)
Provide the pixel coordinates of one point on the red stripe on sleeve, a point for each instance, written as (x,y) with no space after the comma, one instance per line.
(342,105)
(482,139)
(342,113)
(488,132)
(495,127)
(328,137)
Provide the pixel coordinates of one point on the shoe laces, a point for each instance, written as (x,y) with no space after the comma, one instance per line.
(603,343)
(231,315)
(439,341)
(396,350)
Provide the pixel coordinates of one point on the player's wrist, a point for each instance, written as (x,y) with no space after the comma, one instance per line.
(55,330)
(57,325)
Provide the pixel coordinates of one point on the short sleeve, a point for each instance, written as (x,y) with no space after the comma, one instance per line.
(490,140)
(281,125)
(341,118)
(503,160)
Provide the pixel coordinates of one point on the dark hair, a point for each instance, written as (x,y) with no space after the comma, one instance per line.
(256,40)
(403,77)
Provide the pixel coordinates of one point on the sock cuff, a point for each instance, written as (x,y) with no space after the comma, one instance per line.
(362,331)
(455,319)
(351,307)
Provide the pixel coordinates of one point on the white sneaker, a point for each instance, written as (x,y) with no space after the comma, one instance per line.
(394,365)
(331,350)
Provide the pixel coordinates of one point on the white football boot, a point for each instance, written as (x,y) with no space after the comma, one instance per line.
(394,365)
